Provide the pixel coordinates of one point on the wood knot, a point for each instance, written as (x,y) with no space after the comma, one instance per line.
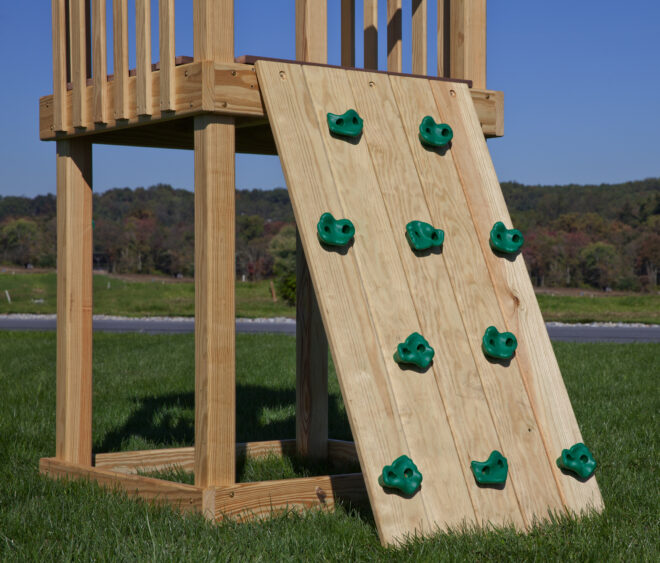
(321,494)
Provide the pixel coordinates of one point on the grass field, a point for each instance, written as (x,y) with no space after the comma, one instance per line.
(143,398)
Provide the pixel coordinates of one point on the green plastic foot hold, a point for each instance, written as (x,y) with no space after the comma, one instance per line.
(335,232)
(402,474)
(415,350)
(493,471)
(347,124)
(434,134)
(507,241)
(499,345)
(579,460)
(422,236)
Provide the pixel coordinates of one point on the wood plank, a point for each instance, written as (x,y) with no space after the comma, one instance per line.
(341,451)
(371,34)
(213,22)
(516,298)
(184,497)
(467,49)
(266,498)
(312,30)
(100,58)
(215,361)
(361,370)
(78,61)
(167,54)
(74,302)
(489,105)
(518,432)
(60,115)
(444,493)
(419,37)
(120,50)
(348,33)
(443,37)
(455,372)
(143,66)
(394,31)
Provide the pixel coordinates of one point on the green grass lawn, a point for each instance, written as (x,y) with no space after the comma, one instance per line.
(143,398)
(641,308)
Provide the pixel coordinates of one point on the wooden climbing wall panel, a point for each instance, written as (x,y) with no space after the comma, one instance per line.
(375,292)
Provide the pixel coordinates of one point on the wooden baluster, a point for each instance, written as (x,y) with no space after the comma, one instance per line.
(120,50)
(371,34)
(78,61)
(99,56)
(348,32)
(143,66)
(394,29)
(419,37)
(443,37)
(60,63)
(312,31)
(467,38)
(167,54)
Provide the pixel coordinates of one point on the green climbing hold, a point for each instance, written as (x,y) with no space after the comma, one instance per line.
(422,236)
(348,124)
(335,232)
(493,471)
(507,241)
(434,134)
(499,345)
(415,350)
(579,460)
(402,474)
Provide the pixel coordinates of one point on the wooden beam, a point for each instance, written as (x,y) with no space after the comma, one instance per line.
(214,30)
(371,34)
(120,50)
(467,49)
(143,65)
(215,385)
(167,54)
(394,30)
(60,115)
(348,33)
(74,302)
(419,37)
(100,56)
(78,19)
(312,31)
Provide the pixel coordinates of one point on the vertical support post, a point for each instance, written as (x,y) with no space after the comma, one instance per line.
(311,341)
(394,30)
(74,302)
(99,50)
(167,54)
(348,33)
(120,51)
(79,55)
(443,37)
(143,60)
(419,39)
(215,265)
(371,34)
(60,64)
(467,49)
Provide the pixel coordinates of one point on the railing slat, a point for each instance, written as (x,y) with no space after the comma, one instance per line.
(214,30)
(100,58)
(394,29)
(78,61)
(143,67)
(348,32)
(468,41)
(120,50)
(419,37)
(443,37)
(371,34)
(312,31)
(59,65)
(166,32)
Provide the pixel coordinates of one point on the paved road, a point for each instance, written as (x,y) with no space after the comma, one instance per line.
(567,333)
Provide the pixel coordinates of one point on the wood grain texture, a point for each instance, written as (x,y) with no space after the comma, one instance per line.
(213,22)
(419,37)
(74,302)
(77,17)
(455,372)
(312,30)
(348,32)
(529,472)
(467,50)
(360,365)
(489,105)
(516,297)
(100,63)
(371,34)
(143,64)
(443,37)
(167,53)
(60,114)
(120,50)
(394,36)
(215,362)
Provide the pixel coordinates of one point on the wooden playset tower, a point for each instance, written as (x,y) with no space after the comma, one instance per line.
(361,300)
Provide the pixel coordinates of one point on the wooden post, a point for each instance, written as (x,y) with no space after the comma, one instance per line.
(60,65)
(419,39)
(394,30)
(371,34)
(143,64)
(167,54)
(215,247)
(311,341)
(79,55)
(99,50)
(120,43)
(443,37)
(348,32)
(74,302)
(467,41)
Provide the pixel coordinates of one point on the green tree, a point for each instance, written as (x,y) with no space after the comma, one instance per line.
(283,250)
(20,240)
(599,264)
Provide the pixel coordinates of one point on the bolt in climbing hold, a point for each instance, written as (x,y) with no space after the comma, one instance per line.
(434,134)
(579,460)
(402,474)
(507,241)
(499,345)
(422,236)
(335,232)
(348,124)
(415,350)
(493,471)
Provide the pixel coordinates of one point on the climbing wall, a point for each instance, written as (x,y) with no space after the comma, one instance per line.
(376,291)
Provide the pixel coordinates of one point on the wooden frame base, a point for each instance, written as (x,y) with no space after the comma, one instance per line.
(118,471)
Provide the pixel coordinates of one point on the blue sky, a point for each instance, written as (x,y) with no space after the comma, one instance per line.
(581,81)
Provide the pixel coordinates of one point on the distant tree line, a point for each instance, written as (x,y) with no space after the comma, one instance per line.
(605,236)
